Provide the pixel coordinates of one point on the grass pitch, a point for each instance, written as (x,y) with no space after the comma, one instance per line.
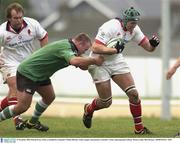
(71,127)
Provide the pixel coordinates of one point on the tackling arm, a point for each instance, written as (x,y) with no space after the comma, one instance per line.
(84,62)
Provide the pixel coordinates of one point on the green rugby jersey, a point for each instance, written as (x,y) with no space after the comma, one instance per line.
(46,61)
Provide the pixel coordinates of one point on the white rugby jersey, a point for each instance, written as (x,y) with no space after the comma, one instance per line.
(18,46)
(113,29)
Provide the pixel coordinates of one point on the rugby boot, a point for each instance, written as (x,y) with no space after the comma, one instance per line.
(87,118)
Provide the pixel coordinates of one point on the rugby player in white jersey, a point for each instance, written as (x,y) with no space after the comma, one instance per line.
(116,68)
(17,35)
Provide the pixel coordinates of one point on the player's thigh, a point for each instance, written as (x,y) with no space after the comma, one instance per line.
(47,93)
(11,82)
(25,91)
(104,89)
(123,80)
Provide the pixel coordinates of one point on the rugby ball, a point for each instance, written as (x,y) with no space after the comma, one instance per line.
(113,41)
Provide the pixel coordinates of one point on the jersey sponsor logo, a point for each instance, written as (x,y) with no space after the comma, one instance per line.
(102,34)
(20,43)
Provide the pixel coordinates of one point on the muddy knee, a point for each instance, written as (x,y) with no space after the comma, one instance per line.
(132,93)
(104,103)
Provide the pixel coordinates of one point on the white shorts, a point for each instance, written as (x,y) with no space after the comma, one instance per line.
(105,72)
(9,71)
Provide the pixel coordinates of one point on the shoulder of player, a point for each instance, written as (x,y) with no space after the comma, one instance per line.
(111,25)
(3,26)
(29,20)
(112,21)
(63,43)
(137,29)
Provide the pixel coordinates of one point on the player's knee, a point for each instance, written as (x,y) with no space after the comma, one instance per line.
(48,100)
(12,94)
(105,103)
(132,93)
(21,108)
(133,96)
(53,98)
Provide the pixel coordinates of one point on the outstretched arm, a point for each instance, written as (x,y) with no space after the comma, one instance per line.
(84,62)
(173,69)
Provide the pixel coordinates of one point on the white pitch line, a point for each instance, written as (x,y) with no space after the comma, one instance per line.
(115,101)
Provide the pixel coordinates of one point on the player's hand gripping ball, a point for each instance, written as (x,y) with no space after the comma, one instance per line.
(116,43)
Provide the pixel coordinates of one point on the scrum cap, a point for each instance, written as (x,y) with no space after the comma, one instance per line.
(130,14)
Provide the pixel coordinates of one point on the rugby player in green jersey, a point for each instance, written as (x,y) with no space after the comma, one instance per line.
(34,74)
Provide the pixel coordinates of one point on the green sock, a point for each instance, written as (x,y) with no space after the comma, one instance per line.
(7,113)
(39,109)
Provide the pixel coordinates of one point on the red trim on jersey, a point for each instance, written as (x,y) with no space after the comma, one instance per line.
(120,21)
(99,42)
(142,40)
(44,37)
(10,28)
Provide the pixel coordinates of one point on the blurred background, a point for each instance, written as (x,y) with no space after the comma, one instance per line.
(66,18)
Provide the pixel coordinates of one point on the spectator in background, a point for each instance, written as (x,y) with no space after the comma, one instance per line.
(17,35)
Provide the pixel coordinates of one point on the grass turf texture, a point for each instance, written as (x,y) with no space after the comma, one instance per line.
(121,127)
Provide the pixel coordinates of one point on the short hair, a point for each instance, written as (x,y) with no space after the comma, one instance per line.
(83,37)
(16,6)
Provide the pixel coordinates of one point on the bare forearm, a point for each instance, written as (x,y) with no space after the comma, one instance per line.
(150,44)
(173,69)
(82,61)
(177,63)
(147,46)
(44,41)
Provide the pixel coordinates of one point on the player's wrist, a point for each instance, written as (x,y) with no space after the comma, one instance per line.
(154,41)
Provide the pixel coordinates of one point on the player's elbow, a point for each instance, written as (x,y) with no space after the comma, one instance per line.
(151,49)
(96,48)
